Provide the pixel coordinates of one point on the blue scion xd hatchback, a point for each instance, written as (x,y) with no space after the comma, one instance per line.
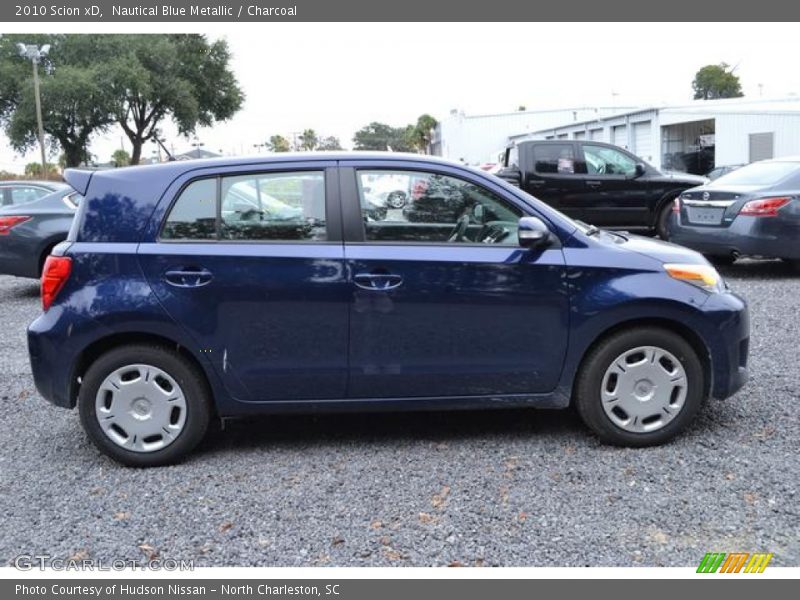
(195,290)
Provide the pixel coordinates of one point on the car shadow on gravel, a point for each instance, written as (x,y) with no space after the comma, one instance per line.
(759,269)
(282,431)
(28,289)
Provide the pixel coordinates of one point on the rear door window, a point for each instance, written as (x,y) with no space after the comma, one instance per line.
(274,206)
(285,206)
(558,159)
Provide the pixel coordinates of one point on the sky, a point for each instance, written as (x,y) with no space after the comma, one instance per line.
(337,77)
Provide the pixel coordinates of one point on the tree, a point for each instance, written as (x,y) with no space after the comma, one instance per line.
(380,136)
(74,93)
(278,143)
(716,81)
(309,139)
(419,135)
(120,158)
(179,76)
(329,143)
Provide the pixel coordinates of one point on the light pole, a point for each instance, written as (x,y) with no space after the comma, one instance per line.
(35,54)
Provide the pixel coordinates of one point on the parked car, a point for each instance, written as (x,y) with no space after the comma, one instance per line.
(29,230)
(152,330)
(16,193)
(752,211)
(718,172)
(597,183)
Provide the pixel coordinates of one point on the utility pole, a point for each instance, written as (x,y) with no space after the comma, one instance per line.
(35,54)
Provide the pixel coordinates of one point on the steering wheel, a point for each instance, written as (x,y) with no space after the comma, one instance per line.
(457,235)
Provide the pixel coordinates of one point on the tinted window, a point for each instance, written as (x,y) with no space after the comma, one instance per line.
(767,173)
(194,214)
(554,158)
(438,208)
(602,160)
(274,206)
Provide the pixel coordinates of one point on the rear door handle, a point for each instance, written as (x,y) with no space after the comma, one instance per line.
(594,184)
(188,277)
(378,281)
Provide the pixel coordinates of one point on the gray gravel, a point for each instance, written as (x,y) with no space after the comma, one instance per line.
(485,488)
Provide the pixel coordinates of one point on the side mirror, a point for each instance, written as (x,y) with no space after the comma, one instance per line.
(532,233)
(640,170)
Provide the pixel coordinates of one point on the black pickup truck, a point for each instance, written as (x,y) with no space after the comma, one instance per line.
(597,183)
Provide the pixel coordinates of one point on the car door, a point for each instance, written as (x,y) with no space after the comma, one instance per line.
(447,303)
(614,195)
(250,262)
(551,174)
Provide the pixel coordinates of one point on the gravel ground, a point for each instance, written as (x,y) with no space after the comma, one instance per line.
(484,488)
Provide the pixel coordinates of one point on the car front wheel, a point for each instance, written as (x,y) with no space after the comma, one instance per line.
(144,405)
(640,387)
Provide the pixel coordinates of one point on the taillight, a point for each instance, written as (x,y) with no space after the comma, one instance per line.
(765,207)
(54,275)
(676,205)
(7,223)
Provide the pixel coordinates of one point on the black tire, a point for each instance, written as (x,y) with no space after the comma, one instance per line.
(191,381)
(396,200)
(662,220)
(587,397)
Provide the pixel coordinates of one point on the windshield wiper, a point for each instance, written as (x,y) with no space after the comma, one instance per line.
(590,230)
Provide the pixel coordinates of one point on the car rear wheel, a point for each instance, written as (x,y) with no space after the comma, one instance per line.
(723,260)
(640,387)
(144,405)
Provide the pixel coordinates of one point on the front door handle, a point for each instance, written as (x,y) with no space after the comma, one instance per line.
(188,277)
(594,184)
(378,281)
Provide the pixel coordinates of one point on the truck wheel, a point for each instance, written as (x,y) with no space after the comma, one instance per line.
(662,220)
(640,387)
(144,405)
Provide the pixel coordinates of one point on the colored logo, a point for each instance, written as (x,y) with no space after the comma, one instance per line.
(737,562)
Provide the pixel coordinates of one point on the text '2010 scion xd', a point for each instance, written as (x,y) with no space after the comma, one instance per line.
(190,291)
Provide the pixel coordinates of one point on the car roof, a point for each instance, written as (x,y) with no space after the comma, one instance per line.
(79,178)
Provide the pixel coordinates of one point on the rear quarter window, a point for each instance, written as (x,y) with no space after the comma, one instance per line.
(194,214)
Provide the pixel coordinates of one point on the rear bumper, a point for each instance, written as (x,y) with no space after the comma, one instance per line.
(19,265)
(772,237)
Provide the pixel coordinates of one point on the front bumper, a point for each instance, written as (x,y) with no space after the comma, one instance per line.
(725,328)
(772,237)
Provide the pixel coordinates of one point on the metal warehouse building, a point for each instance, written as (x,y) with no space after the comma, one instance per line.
(694,137)
(476,139)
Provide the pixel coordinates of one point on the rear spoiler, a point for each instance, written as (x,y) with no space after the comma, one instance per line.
(78,179)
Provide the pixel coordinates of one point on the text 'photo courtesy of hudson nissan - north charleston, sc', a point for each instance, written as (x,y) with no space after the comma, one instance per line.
(221,288)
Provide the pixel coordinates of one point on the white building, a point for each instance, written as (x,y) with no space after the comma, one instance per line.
(475,138)
(696,136)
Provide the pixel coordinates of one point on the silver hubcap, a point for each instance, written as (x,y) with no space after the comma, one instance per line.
(141,408)
(644,389)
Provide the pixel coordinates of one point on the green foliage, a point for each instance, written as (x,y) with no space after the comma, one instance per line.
(411,138)
(34,171)
(120,158)
(329,143)
(278,143)
(74,92)
(380,136)
(179,76)
(309,140)
(716,81)
(90,81)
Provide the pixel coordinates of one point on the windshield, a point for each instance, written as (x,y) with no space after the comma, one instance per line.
(761,174)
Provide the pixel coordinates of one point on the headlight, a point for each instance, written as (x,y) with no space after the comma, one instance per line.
(703,276)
